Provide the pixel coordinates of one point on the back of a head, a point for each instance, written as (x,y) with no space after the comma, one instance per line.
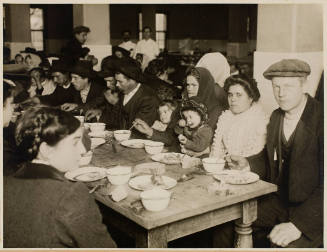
(42,124)
(8,91)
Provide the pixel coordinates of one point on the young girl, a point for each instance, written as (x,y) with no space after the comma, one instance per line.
(165,110)
(40,206)
(196,135)
(163,130)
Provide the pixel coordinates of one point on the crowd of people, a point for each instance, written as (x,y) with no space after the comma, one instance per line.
(199,110)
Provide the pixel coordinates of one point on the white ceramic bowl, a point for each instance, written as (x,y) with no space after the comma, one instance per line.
(153,148)
(80,118)
(213,165)
(156,199)
(97,127)
(119,175)
(122,135)
(95,142)
(86,158)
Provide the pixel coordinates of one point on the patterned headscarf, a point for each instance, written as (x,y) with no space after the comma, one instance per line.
(194,104)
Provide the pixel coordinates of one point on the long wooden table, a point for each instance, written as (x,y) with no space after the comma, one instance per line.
(191,209)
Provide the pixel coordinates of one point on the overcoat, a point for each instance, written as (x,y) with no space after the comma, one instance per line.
(41,209)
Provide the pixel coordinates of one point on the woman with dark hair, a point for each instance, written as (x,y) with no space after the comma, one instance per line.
(241,130)
(42,208)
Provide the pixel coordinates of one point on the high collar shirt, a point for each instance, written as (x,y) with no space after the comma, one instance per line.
(84,93)
(129,96)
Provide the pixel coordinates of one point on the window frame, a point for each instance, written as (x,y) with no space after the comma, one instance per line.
(38,30)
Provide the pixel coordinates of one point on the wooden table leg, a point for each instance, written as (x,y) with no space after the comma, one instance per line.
(243,228)
(155,238)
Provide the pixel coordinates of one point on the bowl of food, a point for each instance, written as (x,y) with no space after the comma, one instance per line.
(122,135)
(119,175)
(97,127)
(213,165)
(85,158)
(156,199)
(153,148)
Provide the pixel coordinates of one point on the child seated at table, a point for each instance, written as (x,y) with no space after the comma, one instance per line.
(195,134)
(165,110)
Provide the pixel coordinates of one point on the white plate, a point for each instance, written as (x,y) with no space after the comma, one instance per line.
(96,142)
(144,183)
(86,174)
(100,134)
(168,158)
(134,143)
(149,167)
(237,177)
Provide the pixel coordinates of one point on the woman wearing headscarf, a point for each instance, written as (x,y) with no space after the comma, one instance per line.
(200,83)
(217,65)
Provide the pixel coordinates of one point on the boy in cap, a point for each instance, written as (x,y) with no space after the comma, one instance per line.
(83,80)
(293,159)
(73,50)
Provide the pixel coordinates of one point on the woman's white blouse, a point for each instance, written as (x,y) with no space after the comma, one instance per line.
(240,134)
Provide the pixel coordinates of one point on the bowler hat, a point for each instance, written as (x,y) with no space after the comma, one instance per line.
(83,68)
(288,68)
(106,73)
(59,66)
(129,68)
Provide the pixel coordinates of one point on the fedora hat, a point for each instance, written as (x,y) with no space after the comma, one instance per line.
(129,68)
(83,68)
(59,66)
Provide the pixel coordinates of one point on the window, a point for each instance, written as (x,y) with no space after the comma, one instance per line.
(161,29)
(36,20)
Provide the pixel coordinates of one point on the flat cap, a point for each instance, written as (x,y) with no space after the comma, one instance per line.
(80,29)
(288,68)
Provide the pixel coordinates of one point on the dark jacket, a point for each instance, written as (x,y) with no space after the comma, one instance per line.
(198,139)
(41,209)
(11,157)
(305,183)
(144,105)
(111,114)
(96,91)
(72,51)
(60,96)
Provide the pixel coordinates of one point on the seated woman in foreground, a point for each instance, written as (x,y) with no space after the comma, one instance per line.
(241,130)
(42,209)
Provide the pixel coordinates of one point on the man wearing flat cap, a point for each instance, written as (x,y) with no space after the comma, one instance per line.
(73,50)
(84,81)
(293,160)
(138,101)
